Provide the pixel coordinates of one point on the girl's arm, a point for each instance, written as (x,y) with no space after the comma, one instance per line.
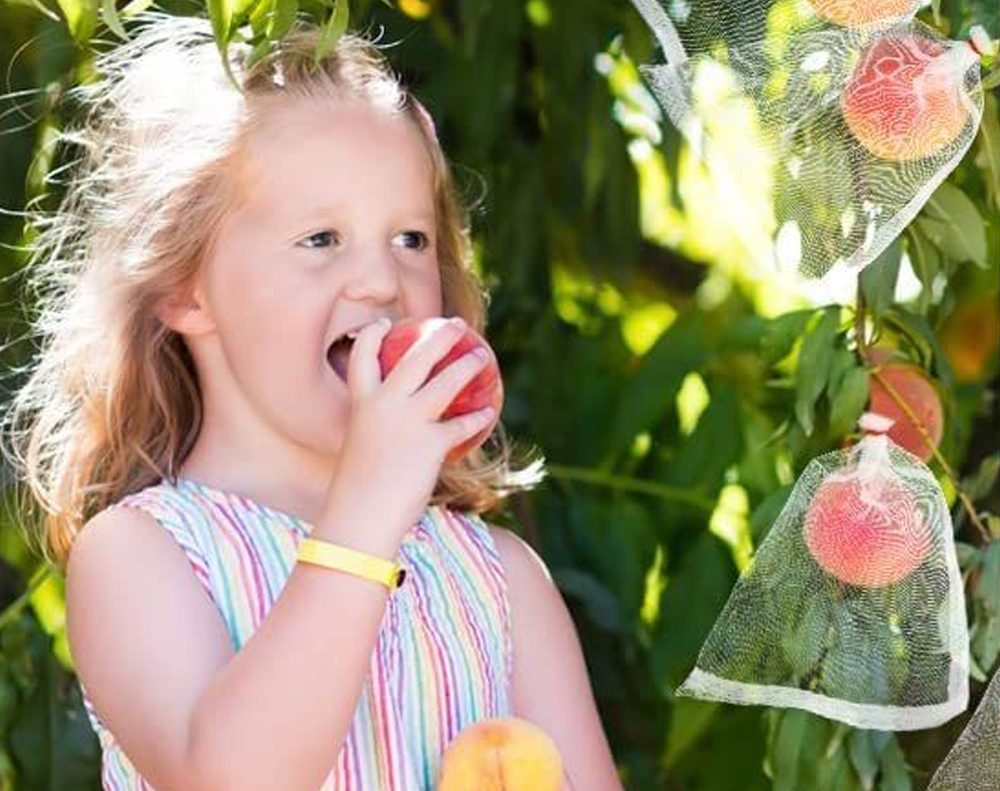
(155,658)
(551,685)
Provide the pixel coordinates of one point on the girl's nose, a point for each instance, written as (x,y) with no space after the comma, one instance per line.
(373,276)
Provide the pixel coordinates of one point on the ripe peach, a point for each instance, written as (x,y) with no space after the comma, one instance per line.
(502,754)
(904,99)
(916,390)
(866,533)
(485,389)
(861,13)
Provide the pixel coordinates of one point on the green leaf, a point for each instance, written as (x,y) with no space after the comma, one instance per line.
(239,10)
(601,605)
(333,29)
(980,485)
(984,635)
(895,773)
(951,220)
(650,392)
(843,361)
(711,449)
(110,16)
(849,402)
(221,14)
(282,18)
(767,512)
(696,593)
(815,358)
(50,738)
(919,333)
(260,50)
(38,6)
(135,7)
(81,17)
(689,719)
(260,16)
(926,261)
(878,279)
(969,556)
(781,334)
(989,156)
(796,750)
(864,752)
(803,646)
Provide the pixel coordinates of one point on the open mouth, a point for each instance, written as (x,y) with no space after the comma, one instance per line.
(338,355)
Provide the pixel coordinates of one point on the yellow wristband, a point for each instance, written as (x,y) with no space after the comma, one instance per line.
(334,556)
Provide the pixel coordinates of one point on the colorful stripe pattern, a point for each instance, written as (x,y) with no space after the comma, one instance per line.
(443,657)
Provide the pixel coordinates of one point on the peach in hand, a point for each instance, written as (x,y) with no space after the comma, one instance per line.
(485,389)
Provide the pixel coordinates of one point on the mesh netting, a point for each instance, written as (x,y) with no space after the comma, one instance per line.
(852,113)
(852,607)
(973,764)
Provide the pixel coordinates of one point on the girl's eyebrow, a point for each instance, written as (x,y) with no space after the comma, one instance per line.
(322,212)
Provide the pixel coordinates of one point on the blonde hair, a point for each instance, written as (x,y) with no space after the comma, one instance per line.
(112,403)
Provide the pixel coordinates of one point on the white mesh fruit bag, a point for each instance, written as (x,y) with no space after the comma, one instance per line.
(973,764)
(852,607)
(824,125)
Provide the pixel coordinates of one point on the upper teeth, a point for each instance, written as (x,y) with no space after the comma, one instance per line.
(352,334)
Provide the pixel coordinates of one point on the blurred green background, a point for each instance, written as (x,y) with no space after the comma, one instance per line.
(655,367)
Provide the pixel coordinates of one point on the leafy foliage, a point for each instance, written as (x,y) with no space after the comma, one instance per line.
(675,392)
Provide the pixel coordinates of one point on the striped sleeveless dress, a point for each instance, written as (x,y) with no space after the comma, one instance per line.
(442,659)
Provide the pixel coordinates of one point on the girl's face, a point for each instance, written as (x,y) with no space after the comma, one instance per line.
(335,227)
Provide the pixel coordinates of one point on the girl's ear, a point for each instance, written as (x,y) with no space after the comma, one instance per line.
(186,312)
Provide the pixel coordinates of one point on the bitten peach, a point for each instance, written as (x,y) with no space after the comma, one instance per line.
(867,535)
(904,100)
(501,754)
(485,389)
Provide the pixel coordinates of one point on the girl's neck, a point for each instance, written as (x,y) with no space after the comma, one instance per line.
(277,491)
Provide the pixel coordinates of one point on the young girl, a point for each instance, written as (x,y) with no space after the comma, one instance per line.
(186,430)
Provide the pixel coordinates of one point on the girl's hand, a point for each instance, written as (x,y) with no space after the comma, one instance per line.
(394,444)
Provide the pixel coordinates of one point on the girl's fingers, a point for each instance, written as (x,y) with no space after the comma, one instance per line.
(413,368)
(458,429)
(448,383)
(364,374)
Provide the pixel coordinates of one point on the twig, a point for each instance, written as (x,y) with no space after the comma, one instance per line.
(586,475)
(919,425)
(859,324)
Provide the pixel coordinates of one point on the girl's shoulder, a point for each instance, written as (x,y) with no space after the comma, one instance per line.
(175,512)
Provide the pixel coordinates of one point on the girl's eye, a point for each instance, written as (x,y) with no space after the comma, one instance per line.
(320,239)
(416,240)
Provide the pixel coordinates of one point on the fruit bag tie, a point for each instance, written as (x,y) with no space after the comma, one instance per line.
(973,764)
(824,125)
(852,607)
